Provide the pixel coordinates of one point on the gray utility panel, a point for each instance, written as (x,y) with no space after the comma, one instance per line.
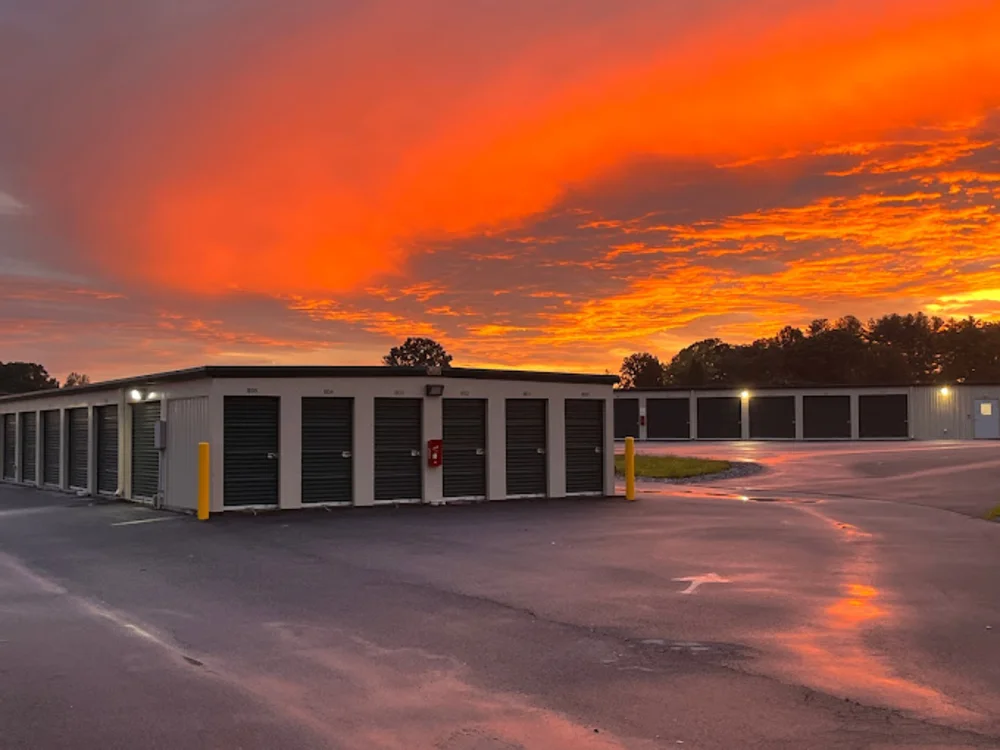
(584,446)
(145,456)
(826,417)
(986,419)
(9,446)
(250,444)
(29,439)
(626,418)
(78,453)
(51,445)
(527,434)
(772,418)
(327,450)
(883,416)
(106,427)
(399,437)
(720,418)
(464,450)
(668,419)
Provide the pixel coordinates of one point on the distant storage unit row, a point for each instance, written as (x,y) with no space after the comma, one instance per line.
(961,412)
(298,437)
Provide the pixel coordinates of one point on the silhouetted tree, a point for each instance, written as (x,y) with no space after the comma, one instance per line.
(641,370)
(76,378)
(417,352)
(23,377)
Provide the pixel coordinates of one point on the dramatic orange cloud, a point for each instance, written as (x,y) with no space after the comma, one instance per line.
(539,186)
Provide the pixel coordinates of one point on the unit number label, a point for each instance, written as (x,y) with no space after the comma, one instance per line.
(253,390)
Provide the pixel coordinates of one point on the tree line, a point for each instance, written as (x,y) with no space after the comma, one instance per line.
(894,349)
(24,377)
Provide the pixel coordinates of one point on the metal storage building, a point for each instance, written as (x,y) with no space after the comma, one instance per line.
(292,437)
(914,412)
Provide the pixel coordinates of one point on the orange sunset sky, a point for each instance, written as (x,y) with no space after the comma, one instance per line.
(536,184)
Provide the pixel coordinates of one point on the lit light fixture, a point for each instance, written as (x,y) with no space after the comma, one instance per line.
(945,390)
(135,394)
(744,395)
(152,396)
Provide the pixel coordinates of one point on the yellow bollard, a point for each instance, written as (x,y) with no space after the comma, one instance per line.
(204,484)
(629,468)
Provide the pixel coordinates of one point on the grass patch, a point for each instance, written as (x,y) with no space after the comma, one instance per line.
(671,467)
(994,515)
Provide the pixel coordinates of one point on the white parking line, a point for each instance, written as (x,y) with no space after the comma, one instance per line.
(145,520)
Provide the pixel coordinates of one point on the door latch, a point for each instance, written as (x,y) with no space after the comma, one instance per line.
(345,454)
(271,456)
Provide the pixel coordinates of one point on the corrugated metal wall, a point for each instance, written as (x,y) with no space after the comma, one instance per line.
(187,425)
(935,415)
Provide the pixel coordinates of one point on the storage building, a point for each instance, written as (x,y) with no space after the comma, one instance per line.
(292,437)
(916,412)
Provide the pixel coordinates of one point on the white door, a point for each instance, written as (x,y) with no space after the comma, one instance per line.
(986,419)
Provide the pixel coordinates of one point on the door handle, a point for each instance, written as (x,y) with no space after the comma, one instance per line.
(480,451)
(345,454)
(414,453)
(271,456)
(540,451)
(597,449)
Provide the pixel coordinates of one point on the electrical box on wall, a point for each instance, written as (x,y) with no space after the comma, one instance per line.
(160,435)
(434,452)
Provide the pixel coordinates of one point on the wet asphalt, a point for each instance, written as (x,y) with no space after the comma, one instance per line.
(847,597)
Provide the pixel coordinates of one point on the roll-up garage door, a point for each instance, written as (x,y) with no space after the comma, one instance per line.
(626,418)
(398,454)
(826,417)
(106,419)
(9,446)
(584,446)
(464,456)
(250,443)
(29,438)
(527,466)
(772,417)
(145,457)
(720,418)
(327,450)
(78,453)
(884,416)
(52,443)
(668,419)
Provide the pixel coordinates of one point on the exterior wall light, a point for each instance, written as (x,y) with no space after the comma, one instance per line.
(434,389)
(945,390)
(745,395)
(135,394)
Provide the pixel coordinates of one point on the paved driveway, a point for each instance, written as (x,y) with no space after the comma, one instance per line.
(817,621)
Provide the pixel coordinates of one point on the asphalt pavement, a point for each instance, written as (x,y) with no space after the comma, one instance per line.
(810,610)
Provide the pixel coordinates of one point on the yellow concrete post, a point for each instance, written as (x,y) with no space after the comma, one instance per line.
(204,484)
(629,468)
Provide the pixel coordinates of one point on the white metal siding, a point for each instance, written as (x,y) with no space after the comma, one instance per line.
(187,425)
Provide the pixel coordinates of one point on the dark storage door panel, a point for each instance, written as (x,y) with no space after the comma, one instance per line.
(884,416)
(527,465)
(398,453)
(584,446)
(720,418)
(327,450)
(626,418)
(464,455)
(772,417)
(826,417)
(250,443)
(78,454)
(106,425)
(9,445)
(145,457)
(668,418)
(29,438)
(52,443)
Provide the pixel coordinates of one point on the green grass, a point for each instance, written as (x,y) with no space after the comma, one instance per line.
(994,515)
(671,467)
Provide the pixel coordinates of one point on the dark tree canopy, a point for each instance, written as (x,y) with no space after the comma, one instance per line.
(641,371)
(417,352)
(893,349)
(23,377)
(76,378)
